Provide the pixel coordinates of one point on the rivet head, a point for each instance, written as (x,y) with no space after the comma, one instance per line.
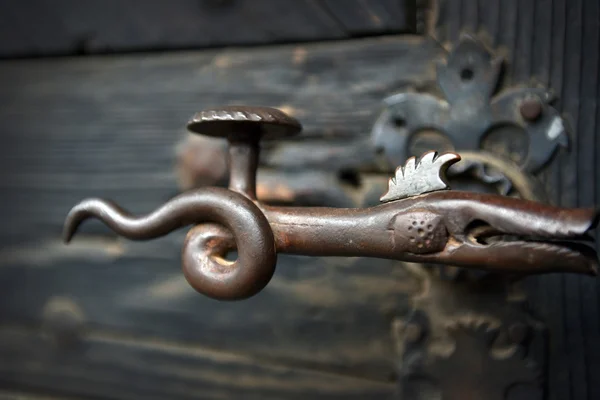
(531,109)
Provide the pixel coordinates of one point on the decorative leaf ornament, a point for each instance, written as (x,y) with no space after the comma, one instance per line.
(428,174)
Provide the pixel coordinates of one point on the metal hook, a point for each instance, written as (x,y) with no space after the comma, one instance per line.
(419,222)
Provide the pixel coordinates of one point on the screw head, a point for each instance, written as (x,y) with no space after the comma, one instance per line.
(531,109)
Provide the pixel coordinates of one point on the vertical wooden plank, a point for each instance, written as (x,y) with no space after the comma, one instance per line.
(521,58)
(453,19)
(586,186)
(470,16)
(594,363)
(541,57)
(507,34)
(573,62)
(489,18)
(556,43)
(541,41)
(548,291)
(552,288)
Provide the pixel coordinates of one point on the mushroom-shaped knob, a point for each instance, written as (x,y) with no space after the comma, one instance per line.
(244,127)
(244,123)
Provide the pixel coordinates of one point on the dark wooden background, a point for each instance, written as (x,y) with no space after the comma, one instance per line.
(94,97)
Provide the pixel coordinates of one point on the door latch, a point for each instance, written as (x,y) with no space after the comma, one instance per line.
(418,220)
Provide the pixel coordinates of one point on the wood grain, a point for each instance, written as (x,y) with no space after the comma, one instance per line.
(70,27)
(554,43)
(105,366)
(109,126)
(74,128)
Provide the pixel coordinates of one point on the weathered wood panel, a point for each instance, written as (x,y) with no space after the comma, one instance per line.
(108,366)
(324,315)
(73,128)
(555,43)
(68,27)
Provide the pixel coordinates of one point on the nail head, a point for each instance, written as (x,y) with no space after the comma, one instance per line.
(531,109)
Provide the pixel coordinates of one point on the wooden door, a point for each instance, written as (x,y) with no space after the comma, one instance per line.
(93,102)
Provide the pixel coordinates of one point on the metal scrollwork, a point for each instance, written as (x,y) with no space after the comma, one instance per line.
(470,116)
(477,358)
(449,344)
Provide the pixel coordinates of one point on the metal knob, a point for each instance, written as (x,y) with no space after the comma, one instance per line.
(226,219)
(244,127)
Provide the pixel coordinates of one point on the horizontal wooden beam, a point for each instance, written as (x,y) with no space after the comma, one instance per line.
(103,366)
(110,126)
(71,27)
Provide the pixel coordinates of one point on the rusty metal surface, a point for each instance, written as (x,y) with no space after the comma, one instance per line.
(447,227)
(477,359)
(469,115)
(471,334)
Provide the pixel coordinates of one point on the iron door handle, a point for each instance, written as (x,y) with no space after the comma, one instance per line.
(418,221)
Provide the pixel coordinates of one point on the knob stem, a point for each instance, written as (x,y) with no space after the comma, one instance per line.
(244,127)
(243,163)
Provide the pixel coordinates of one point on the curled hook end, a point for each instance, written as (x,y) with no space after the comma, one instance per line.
(72,221)
(80,212)
(67,236)
(224,220)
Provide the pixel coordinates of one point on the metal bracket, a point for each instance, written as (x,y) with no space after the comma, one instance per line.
(470,357)
(518,123)
(467,337)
